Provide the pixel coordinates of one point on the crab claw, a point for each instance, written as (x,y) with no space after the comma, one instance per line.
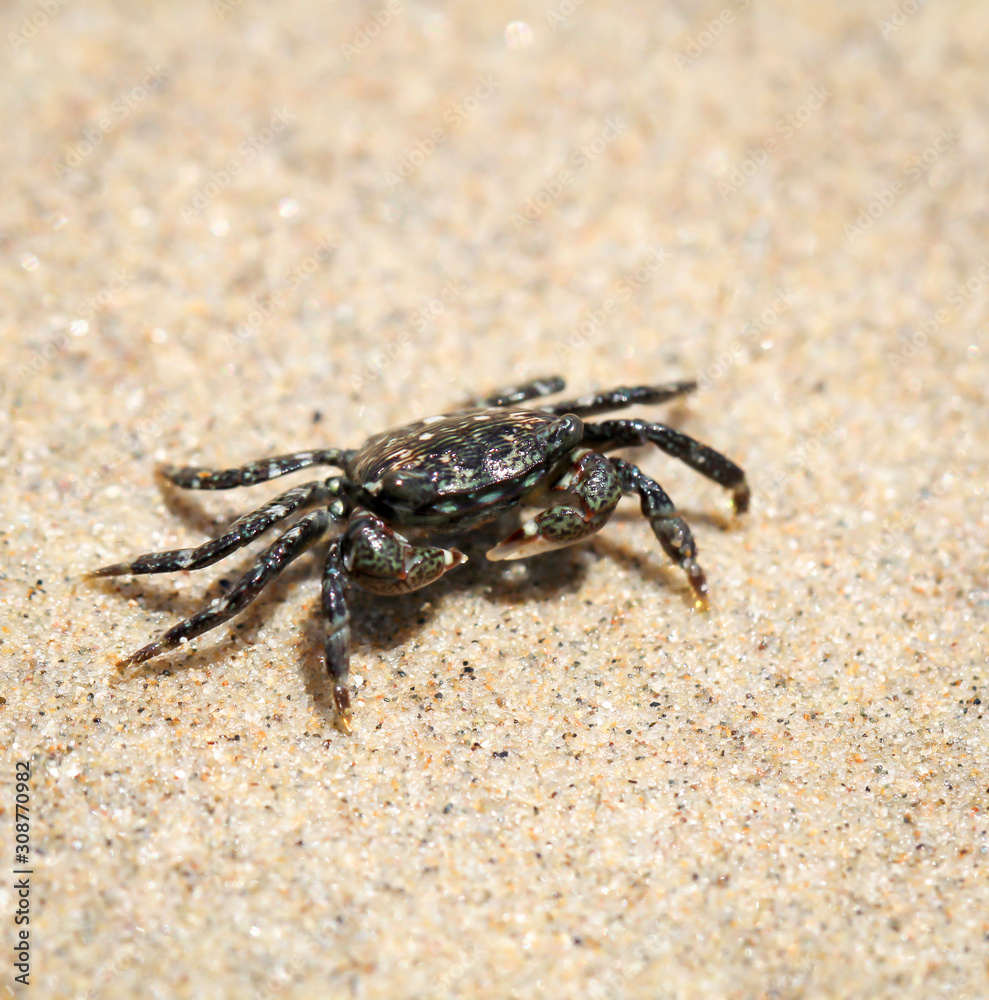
(552,529)
(383,561)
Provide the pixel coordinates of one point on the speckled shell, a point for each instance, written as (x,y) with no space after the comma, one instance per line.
(467,451)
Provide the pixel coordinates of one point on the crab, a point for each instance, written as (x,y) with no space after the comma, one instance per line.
(445,473)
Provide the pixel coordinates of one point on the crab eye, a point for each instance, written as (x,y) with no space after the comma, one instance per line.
(409,488)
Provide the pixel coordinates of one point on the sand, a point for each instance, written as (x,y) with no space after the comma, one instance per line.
(237,230)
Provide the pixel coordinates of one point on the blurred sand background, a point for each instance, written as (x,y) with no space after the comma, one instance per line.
(238,229)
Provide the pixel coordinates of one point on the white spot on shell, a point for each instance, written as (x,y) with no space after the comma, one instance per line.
(426,436)
(433,420)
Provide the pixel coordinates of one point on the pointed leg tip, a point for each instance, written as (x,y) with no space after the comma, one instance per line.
(345,715)
(698,583)
(740,498)
(143,654)
(117,569)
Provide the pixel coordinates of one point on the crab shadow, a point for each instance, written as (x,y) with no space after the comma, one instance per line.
(381,622)
(377,622)
(215,647)
(385,623)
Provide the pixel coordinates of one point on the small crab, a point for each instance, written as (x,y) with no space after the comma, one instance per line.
(445,473)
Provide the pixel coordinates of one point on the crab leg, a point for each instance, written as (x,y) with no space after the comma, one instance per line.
(337,617)
(611,434)
(192,477)
(594,491)
(239,534)
(617,399)
(671,529)
(301,536)
(381,560)
(520,393)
